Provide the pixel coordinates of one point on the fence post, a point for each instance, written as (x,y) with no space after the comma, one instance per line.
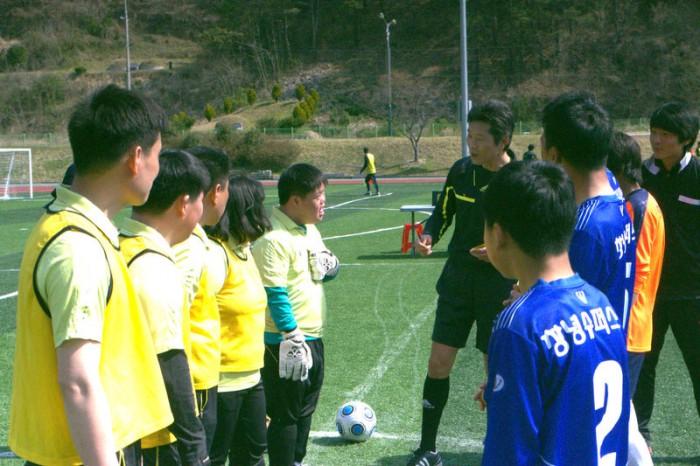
(292,132)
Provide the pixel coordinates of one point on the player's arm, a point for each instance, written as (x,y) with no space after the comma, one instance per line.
(87,409)
(364,167)
(514,404)
(442,215)
(73,279)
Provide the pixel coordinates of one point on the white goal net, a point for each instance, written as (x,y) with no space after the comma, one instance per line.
(16,174)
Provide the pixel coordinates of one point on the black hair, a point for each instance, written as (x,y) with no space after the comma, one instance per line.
(366,149)
(530,146)
(111,122)
(69,175)
(218,163)
(180,173)
(579,128)
(245,218)
(499,117)
(299,180)
(534,203)
(679,119)
(625,157)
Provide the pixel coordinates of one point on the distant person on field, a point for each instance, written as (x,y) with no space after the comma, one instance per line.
(556,390)
(530,155)
(241,431)
(625,162)
(672,176)
(470,290)
(371,169)
(87,385)
(173,209)
(294,264)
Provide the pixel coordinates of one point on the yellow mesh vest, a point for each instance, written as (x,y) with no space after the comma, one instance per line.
(205,335)
(129,370)
(242,301)
(371,168)
(133,246)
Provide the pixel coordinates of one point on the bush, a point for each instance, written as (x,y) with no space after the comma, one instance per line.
(252,96)
(49,90)
(300,92)
(228,105)
(223,133)
(299,113)
(311,103)
(79,70)
(180,123)
(256,151)
(16,56)
(276,92)
(267,122)
(315,95)
(305,107)
(209,112)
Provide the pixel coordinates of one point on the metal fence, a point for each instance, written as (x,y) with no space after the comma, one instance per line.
(630,125)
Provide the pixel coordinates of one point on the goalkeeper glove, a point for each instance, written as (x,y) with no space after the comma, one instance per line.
(324,265)
(295,356)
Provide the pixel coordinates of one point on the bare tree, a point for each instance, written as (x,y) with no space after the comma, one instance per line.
(417,103)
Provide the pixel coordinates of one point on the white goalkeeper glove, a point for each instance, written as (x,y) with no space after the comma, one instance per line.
(295,356)
(323,264)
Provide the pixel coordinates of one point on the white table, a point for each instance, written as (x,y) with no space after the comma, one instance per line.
(413,209)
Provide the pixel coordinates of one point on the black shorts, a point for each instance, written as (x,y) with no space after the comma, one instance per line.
(468,296)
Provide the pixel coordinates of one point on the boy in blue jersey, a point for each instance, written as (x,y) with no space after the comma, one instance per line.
(557,387)
(576,134)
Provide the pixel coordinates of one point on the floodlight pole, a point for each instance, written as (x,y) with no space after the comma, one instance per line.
(465,78)
(388,25)
(128,54)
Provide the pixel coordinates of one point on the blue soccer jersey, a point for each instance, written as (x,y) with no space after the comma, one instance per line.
(603,250)
(557,389)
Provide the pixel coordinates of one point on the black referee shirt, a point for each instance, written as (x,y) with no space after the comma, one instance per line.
(678,194)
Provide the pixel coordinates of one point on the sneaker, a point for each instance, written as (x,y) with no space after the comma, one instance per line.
(377,193)
(425,458)
(368,193)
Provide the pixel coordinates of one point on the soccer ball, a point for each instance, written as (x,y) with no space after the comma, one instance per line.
(355,421)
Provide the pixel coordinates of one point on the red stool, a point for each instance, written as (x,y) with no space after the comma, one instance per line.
(406,243)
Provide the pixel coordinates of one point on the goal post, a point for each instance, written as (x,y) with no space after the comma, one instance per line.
(16,174)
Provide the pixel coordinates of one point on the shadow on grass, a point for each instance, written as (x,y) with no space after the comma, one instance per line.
(676,460)
(395,255)
(448,459)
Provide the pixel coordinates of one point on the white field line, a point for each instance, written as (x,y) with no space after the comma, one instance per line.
(390,354)
(9,270)
(450,441)
(371,232)
(385,264)
(11,295)
(366,198)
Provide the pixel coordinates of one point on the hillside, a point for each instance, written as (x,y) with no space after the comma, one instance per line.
(633,53)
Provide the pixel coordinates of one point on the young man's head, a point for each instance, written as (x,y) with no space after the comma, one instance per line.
(529,206)
(674,128)
(219,165)
(491,127)
(178,190)
(577,131)
(302,193)
(625,158)
(115,125)
(365,150)
(245,218)
(530,146)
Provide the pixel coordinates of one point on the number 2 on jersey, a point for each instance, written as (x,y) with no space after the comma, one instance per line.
(607,393)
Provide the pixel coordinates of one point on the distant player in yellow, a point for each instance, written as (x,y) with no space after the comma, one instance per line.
(370,168)
(173,209)
(240,428)
(87,385)
(194,257)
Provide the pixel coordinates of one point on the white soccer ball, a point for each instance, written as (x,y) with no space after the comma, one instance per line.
(355,421)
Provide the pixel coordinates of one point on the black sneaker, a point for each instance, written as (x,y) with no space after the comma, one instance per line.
(368,193)
(425,458)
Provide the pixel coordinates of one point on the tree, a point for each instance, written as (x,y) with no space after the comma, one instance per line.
(314,95)
(299,114)
(417,102)
(180,122)
(228,105)
(276,92)
(252,96)
(209,112)
(300,92)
